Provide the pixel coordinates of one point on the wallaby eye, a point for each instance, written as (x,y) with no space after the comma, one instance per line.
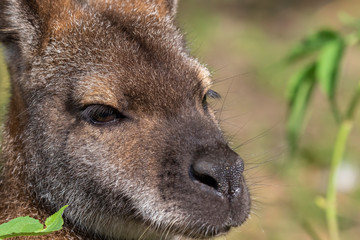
(101,114)
(211,94)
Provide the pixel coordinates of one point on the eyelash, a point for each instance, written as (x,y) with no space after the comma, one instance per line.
(211,94)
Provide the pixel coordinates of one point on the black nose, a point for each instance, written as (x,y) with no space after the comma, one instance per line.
(222,175)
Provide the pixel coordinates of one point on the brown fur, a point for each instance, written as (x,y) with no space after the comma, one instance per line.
(162,168)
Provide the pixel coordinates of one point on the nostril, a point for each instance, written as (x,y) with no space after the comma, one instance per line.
(200,172)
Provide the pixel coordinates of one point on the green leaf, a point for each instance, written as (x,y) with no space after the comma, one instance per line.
(55,221)
(19,226)
(311,44)
(27,226)
(328,66)
(296,80)
(299,104)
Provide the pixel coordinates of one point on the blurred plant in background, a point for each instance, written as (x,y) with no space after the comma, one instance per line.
(323,69)
(248,40)
(4,90)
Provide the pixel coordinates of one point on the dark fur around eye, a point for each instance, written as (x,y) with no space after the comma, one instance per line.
(101,114)
(204,102)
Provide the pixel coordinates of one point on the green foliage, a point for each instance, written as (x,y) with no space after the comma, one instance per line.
(326,48)
(311,44)
(27,226)
(323,69)
(328,65)
(300,88)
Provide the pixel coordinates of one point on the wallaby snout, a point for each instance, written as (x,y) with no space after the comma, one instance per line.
(222,175)
(109,115)
(204,175)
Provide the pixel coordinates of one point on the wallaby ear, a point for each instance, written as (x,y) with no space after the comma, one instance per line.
(20,24)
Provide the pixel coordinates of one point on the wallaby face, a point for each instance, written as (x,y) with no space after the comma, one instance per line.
(108,115)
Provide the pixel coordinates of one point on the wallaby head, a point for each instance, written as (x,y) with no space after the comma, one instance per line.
(108,114)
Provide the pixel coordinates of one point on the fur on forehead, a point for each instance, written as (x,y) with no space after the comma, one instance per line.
(24,20)
(57,8)
(144,22)
(160,8)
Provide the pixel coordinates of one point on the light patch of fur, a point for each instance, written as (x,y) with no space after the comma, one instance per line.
(204,76)
(96,90)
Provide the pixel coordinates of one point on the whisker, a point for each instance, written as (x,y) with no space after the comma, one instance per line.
(225,97)
(218,81)
(143,234)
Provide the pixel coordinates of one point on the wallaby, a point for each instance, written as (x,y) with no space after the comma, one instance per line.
(108,114)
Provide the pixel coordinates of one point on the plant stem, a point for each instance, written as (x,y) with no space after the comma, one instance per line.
(338,153)
(340,145)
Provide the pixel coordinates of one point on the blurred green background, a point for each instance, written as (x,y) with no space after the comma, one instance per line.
(243,43)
